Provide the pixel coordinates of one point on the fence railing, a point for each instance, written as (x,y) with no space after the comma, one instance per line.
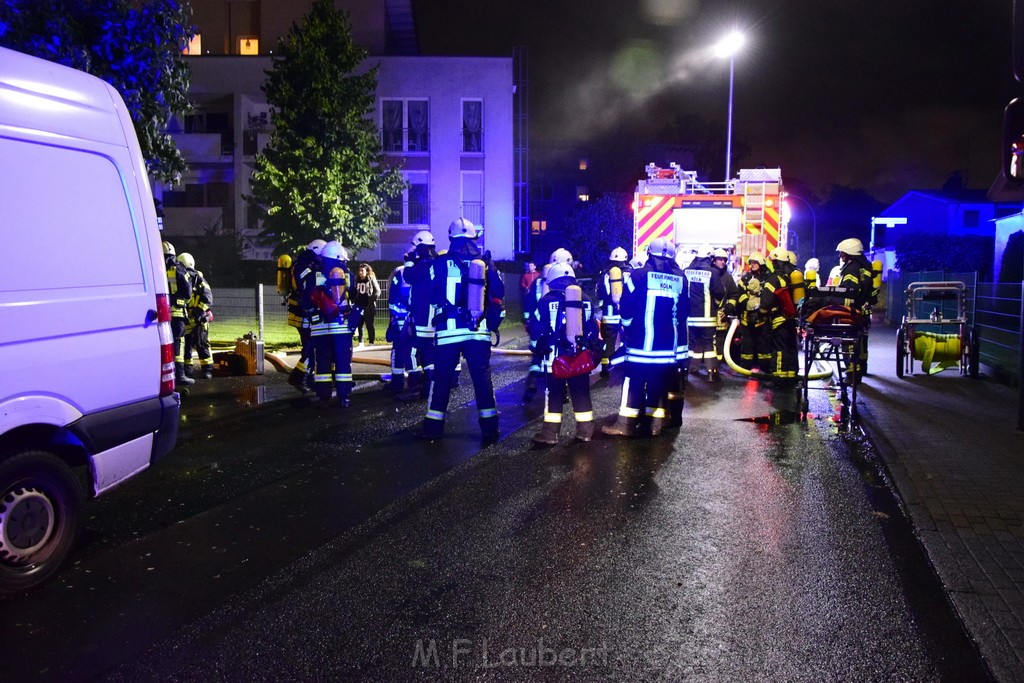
(998,322)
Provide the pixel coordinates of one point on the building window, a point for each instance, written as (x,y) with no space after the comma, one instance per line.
(971,218)
(537,227)
(582,193)
(472,193)
(583,164)
(472,125)
(412,206)
(195,46)
(405,126)
(248,45)
(542,193)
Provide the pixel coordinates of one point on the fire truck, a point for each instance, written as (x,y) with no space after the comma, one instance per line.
(743,215)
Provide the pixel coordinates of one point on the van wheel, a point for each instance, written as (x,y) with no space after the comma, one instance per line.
(41,509)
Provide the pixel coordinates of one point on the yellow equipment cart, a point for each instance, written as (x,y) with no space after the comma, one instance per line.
(931,308)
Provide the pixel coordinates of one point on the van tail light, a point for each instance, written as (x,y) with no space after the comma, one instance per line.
(163,324)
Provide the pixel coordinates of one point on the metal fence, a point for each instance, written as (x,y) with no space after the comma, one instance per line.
(999,321)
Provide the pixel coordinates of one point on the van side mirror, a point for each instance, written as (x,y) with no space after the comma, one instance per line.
(1013,142)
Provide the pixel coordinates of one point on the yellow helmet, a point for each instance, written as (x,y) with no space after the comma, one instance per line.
(778,254)
(851,246)
(186,260)
(756,257)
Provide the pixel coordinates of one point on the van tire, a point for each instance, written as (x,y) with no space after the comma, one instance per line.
(42,486)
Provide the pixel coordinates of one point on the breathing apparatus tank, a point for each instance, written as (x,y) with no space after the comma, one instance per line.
(796,281)
(284,274)
(614,284)
(573,313)
(811,279)
(876,279)
(475,290)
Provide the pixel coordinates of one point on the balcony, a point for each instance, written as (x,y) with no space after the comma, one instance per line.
(405,140)
(211,148)
(473,211)
(408,213)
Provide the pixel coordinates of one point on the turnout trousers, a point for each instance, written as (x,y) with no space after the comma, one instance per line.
(645,390)
(478,359)
(784,350)
(333,365)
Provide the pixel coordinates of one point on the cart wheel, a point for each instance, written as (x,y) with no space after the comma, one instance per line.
(901,352)
(973,353)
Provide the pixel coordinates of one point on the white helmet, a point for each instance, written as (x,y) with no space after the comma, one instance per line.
(561,255)
(684,258)
(704,250)
(558,270)
(463,227)
(851,246)
(618,254)
(334,251)
(660,246)
(316,246)
(812,264)
(186,260)
(719,253)
(168,249)
(639,259)
(423,237)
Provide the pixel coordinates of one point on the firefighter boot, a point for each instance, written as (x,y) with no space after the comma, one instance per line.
(432,430)
(180,377)
(548,434)
(414,392)
(297,378)
(397,383)
(531,388)
(623,426)
(657,425)
(489,430)
(584,431)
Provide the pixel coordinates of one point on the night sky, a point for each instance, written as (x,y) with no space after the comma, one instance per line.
(884,95)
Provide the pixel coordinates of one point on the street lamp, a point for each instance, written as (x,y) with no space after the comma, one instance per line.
(728,47)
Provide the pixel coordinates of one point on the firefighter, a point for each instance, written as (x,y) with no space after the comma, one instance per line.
(856,276)
(180,290)
(654,310)
(468,295)
(609,294)
(197,326)
(538,289)
(303,280)
(778,307)
(705,293)
(331,327)
(726,305)
(400,331)
(754,347)
(417,275)
(564,324)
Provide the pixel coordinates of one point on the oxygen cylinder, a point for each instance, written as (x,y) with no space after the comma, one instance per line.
(544,280)
(614,283)
(796,281)
(336,286)
(876,280)
(811,279)
(284,274)
(573,313)
(475,290)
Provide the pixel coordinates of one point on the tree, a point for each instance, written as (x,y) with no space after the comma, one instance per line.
(136,47)
(594,228)
(921,251)
(322,174)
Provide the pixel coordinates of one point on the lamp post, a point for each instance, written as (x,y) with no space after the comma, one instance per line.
(728,47)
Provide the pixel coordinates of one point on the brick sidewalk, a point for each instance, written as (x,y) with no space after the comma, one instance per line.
(951,446)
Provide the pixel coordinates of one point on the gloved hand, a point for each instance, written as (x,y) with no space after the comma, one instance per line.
(198,314)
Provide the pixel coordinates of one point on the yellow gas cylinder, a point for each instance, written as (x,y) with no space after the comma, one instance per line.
(573,313)
(811,279)
(337,285)
(544,279)
(942,350)
(876,279)
(796,282)
(614,284)
(475,290)
(284,274)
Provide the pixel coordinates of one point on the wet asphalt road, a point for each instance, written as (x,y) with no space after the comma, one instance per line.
(299,544)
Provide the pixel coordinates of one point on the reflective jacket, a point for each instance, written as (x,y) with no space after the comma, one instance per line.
(705,292)
(608,309)
(547,323)
(417,276)
(179,287)
(449,286)
(654,311)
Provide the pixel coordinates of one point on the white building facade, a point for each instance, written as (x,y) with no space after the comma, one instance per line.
(447,122)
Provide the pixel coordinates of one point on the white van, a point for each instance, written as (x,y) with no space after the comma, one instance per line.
(87,395)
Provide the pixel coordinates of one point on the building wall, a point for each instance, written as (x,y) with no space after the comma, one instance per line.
(1004,228)
(232,84)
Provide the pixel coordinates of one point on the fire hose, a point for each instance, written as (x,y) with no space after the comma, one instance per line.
(822,374)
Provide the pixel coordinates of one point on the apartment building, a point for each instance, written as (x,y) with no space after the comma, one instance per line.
(447,122)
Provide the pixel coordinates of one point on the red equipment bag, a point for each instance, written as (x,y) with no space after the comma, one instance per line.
(566,367)
(322,300)
(785,299)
